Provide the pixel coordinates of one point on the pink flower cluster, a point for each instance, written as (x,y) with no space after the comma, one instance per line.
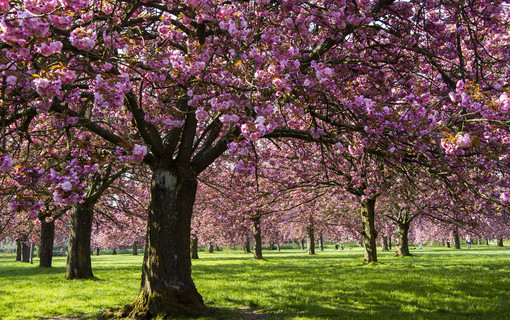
(47,88)
(83,39)
(5,163)
(137,154)
(49,48)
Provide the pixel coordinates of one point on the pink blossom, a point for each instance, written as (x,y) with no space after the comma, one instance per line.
(4,5)
(139,152)
(463,140)
(83,39)
(6,163)
(505,198)
(66,186)
(47,49)
(40,6)
(47,88)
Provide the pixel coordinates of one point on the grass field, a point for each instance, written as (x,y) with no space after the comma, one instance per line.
(435,283)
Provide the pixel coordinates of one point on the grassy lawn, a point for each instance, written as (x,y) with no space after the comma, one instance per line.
(435,283)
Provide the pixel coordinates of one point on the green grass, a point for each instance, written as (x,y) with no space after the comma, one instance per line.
(435,283)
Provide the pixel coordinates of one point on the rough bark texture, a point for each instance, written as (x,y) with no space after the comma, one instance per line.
(384,245)
(369,233)
(257,236)
(46,247)
(19,248)
(167,289)
(78,258)
(456,239)
(194,247)
(135,248)
(402,245)
(500,242)
(310,232)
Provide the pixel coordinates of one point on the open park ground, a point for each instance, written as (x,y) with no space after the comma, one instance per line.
(435,283)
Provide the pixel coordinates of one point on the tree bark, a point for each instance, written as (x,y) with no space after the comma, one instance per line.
(46,247)
(246,245)
(389,242)
(97,251)
(446,243)
(278,247)
(500,242)
(384,246)
(135,248)
(167,289)
(25,253)
(303,244)
(402,245)
(194,247)
(310,232)
(456,239)
(114,251)
(321,242)
(19,248)
(78,258)
(369,233)
(211,248)
(487,241)
(257,235)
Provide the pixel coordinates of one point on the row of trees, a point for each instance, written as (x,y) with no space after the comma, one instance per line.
(302,109)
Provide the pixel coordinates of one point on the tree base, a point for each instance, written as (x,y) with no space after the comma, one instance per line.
(173,304)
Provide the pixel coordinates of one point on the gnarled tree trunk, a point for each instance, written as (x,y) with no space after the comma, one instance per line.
(369,233)
(310,232)
(46,247)
(78,258)
(167,288)
(257,236)
(402,244)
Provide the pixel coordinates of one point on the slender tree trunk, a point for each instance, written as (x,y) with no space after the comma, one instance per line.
(211,247)
(135,248)
(446,243)
(310,232)
(271,246)
(303,244)
(78,258)
(321,242)
(278,247)
(19,249)
(456,239)
(389,242)
(479,241)
(167,289)
(194,247)
(25,252)
(487,241)
(246,246)
(114,251)
(217,248)
(384,246)
(402,245)
(257,235)
(46,247)
(369,233)
(97,251)
(500,242)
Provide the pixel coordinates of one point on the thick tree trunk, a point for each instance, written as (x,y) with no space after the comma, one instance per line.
(487,241)
(19,249)
(194,247)
(246,245)
(402,245)
(26,252)
(114,251)
(456,239)
(321,242)
(167,288)
(384,246)
(46,247)
(78,258)
(500,242)
(257,236)
(310,232)
(135,248)
(369,233)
